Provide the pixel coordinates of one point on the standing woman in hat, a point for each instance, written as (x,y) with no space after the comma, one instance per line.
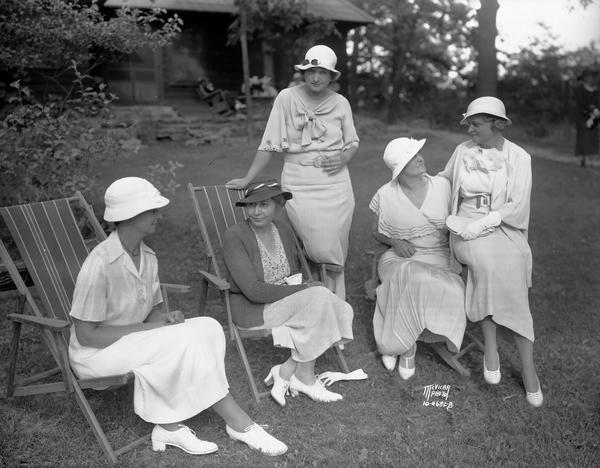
(267,291)
(117,328)
(312,127)
(419,297)
(491,189)
(587,118)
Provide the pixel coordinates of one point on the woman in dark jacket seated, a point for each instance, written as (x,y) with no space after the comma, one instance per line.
(267,291)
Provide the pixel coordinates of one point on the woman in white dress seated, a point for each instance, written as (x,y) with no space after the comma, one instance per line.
(117,328)
(491,190)
(261,255)
(419,297)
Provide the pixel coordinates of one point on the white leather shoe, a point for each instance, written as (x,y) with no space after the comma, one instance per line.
(389,361)
(535,398)
(258,439)
(406,366)
(183,438)
(316,391)
(280,386)
(491,377)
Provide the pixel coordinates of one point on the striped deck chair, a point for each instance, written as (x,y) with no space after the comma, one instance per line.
(53,239)
(216,211)
(452,359)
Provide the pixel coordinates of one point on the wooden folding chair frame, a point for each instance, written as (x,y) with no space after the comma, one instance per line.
(56,258)
(223,214)
(452,359)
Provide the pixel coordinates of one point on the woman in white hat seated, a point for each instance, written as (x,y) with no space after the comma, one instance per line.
(419,297)
(311,126)
(491,189)
(267,291)
(118,328)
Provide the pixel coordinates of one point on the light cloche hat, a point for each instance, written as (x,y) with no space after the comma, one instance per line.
(130,196)
(320,56)
(486,105)
(399,152)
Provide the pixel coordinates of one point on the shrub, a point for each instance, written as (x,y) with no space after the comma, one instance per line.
(48,148)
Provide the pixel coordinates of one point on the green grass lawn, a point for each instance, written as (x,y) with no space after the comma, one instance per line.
(381,421)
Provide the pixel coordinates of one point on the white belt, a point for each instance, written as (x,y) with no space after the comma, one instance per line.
(316,161)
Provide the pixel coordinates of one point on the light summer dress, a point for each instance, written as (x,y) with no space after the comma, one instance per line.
(322,207)
(419,297)
(179,369)
(309,321)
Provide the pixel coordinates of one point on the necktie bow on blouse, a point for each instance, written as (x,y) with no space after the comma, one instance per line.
(312,127)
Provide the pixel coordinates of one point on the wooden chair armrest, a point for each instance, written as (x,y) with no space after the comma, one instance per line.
(221,284)
(49,323)
(178,288)
(101,383)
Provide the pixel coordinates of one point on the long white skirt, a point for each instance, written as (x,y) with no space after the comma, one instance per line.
(309,322)
(320,212)
(179,369)
(418,300)
(497,281)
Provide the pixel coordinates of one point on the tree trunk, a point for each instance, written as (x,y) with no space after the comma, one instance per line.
(397,81)
(352,81)
(246,70)
(487,69)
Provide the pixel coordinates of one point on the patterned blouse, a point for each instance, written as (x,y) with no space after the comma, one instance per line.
(276,266)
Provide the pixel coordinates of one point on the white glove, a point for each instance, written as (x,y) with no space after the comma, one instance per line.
(327,378)
(486,224)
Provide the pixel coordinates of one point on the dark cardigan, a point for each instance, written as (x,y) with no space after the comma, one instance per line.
(249,292)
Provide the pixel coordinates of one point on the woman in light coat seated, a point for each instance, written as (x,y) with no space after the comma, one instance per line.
(117,328)
(419,297)
(261,256)
(491,190)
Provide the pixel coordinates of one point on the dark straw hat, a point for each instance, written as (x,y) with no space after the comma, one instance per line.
(260,190)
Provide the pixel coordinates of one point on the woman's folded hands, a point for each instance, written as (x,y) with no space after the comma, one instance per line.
(174,316)
(486,224)
(403,248)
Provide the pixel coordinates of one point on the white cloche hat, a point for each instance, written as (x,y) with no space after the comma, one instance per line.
(399,152)
(320,56)
(486,105)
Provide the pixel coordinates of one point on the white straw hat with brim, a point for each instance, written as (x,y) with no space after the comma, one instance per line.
(320,56)
(399,152)
(130,196)
(486,105)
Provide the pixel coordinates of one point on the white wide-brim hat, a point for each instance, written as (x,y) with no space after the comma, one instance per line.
(320,56)
(399,152)
(130,196)
(486,105)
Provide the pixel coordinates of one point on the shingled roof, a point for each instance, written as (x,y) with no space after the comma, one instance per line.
(337,10)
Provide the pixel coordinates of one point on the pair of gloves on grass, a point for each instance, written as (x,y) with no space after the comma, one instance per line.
(480,226)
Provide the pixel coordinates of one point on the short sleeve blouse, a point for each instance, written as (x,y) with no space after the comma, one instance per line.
(294,127)
(109,288)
